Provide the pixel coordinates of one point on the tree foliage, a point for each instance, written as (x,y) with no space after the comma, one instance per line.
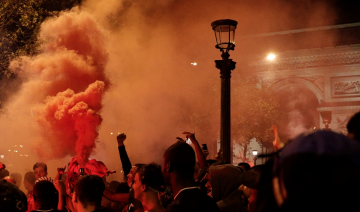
(19,26)
(254,110)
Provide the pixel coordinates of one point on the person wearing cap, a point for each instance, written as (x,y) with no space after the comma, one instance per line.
(317,171)
(147,183)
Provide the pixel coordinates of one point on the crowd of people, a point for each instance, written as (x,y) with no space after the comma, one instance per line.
(316,171)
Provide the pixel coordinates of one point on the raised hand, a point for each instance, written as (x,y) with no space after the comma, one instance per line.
(277,142)
(190,136)
(120,139)
(61,170)
(205,152)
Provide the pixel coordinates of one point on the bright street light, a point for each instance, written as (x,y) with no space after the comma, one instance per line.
(271,57)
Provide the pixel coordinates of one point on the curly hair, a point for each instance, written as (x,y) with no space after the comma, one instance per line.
(151,175)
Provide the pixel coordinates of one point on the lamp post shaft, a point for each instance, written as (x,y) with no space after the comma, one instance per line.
(225,65)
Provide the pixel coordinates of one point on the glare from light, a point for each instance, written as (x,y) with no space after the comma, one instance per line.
(21,145)
(9,150)
(271,57)
(2,156)
(194,64)
(26,155)
(188,141)
(111,133)
(21,155)
(255,152)
(15,151)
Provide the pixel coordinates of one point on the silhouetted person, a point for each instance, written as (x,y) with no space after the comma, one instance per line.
(11,198)
(317,171)
(29,182)
(353,127)
(178,171)
(17,178)
(4,173)
(88,194)
(45,196)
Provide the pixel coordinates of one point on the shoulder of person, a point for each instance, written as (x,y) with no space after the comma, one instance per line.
(175,206)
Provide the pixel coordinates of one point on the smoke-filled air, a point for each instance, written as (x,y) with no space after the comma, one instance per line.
(109,67)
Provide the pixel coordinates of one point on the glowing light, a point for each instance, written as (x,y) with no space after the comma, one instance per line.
(21,155)
(255,152)
(271,57)
(21,145)
(194,64)
(26,155)
(9,150)
(111,133)
(15,151)
(2,156)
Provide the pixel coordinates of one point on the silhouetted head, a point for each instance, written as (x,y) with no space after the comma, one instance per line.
(11,198)
(353,127)
(318,171)
(17,178)
(244,166)
(45,195)
(4,173)
(179,159)
(29,180)
(89,190)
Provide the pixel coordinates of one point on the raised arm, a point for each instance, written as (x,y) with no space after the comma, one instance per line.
(116,197)
(277,142)
(199,154)
(124,158)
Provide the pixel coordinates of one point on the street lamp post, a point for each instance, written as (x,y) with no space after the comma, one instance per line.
(326,117)
(225,41)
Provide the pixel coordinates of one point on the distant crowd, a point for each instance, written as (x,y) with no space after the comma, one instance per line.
(316,171)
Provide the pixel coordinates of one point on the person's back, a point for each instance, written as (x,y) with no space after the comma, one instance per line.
(192,200)
(178,170)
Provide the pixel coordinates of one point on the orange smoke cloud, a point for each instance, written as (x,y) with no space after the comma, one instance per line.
(66,83)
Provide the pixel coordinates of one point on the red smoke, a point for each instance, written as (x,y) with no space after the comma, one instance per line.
(66,82)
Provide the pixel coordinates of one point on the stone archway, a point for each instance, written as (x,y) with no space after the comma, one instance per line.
(299,100)
(301,83)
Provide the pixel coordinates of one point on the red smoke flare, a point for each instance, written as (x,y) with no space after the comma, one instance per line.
(66,82)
